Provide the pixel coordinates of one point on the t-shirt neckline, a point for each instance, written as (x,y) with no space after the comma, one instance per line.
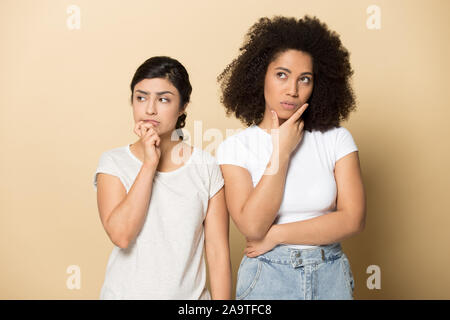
(305,132)
(261,130)
(161,173)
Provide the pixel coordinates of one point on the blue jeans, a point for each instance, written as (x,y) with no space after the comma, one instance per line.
(321,273)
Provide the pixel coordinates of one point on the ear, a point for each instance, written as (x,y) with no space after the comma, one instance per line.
(182,110)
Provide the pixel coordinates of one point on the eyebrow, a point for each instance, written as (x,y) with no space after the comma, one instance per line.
(289,71)
(160,93)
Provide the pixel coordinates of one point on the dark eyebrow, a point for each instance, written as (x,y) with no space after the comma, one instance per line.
(284,69)
(289,71)
(164,92)
(158,93)
(141,91)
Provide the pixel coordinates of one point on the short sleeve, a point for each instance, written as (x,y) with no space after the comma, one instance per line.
(231,151)
(216,179)
(107,165)
(344,143)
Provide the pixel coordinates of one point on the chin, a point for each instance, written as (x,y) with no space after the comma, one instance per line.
(285,114)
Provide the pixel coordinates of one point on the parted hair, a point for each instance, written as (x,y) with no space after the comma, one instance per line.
(172,70)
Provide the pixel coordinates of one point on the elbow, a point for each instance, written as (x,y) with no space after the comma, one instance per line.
(251,229)
(359,225)
(121,242)
(117,237)
(256,236)
(357,229)
(362,222)
(254,233)
(250,232)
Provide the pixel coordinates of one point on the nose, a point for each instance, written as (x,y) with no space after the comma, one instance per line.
(293,88)
(151,106)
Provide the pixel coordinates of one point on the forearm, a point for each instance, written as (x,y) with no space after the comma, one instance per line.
(326,229)
(263,203)
(219,267)
(127,218)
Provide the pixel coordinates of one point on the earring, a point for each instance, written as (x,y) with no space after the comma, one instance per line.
(180,133)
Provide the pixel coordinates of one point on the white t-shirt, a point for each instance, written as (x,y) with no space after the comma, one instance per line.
(166,260)
(310,189)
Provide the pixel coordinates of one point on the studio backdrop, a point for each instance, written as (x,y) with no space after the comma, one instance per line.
(66,67)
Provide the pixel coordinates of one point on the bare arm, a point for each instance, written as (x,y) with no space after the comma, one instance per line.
(217,247)
(253,209)
(346,221)
(123,214)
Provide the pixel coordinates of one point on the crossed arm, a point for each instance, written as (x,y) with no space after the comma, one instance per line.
(346,221)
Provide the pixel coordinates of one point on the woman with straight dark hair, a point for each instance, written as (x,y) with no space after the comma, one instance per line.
(292,178)
(161,201)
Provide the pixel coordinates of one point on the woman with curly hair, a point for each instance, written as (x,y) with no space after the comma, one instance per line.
(161,201)
(293,184)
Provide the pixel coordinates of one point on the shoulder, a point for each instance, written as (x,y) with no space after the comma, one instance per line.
(115,151)
(110,163)
(203,157)
(114,156)
(340,141)
(343,136)
(331,131)
(331,134)
(341,131)
(207,166)
(236,134)
(108,154)
(240,137)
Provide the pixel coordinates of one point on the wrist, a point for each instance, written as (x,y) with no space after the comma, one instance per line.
(278,160)
(280,155)
(275,234)
(149,167)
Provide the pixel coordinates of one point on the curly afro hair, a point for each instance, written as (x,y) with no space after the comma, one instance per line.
(242,81)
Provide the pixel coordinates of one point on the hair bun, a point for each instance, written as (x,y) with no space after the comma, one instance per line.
(181,121)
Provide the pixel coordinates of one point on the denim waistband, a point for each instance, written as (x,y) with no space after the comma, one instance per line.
(298,257)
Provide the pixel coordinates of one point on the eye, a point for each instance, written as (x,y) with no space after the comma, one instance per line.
(305,80)
(138,98)
(164,100)
(281,75)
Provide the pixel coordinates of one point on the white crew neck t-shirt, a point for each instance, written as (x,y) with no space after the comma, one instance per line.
(310,189)
(166,260)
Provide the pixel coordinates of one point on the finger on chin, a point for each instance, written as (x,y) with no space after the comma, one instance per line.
(149,125)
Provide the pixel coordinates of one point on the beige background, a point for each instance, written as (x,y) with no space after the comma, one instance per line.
(64,101)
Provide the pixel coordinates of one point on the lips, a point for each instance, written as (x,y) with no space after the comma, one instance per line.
(154,122)
(288,105)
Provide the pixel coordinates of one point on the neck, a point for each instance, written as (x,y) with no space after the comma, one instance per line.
(166,145)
